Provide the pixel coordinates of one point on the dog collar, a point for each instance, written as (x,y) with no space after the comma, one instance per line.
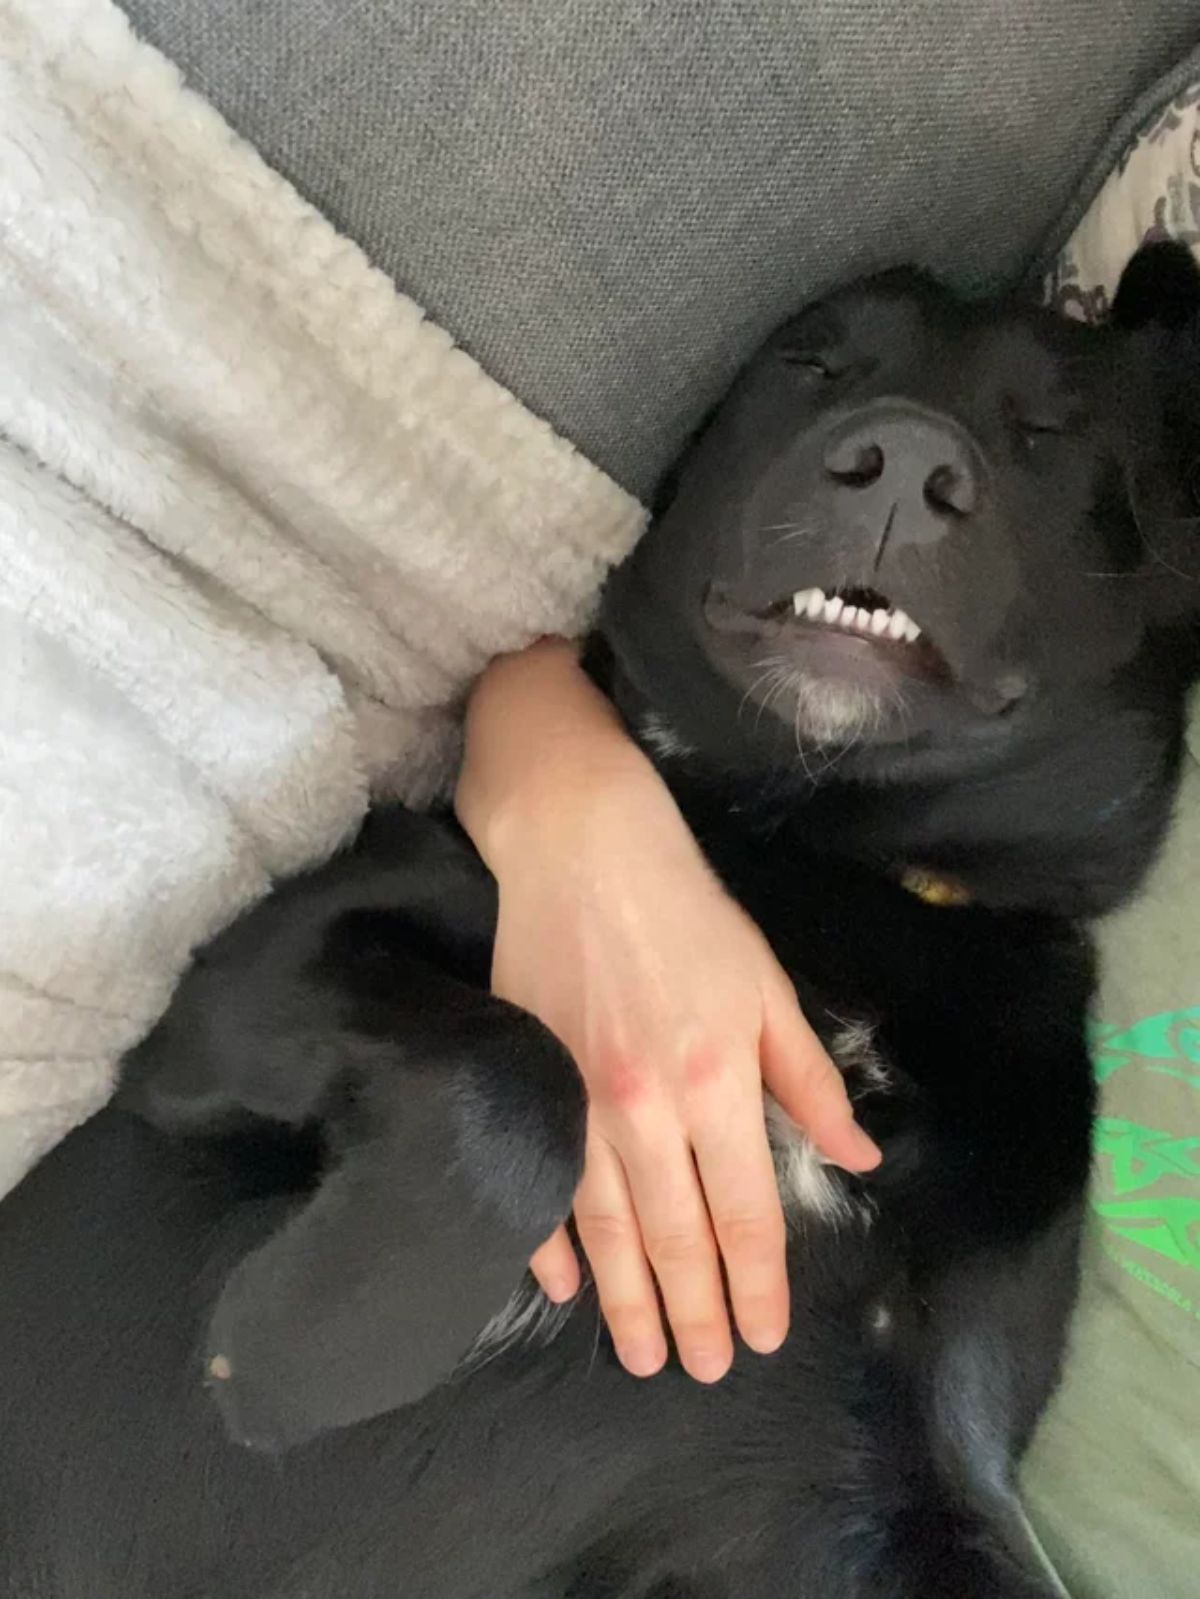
(933,889)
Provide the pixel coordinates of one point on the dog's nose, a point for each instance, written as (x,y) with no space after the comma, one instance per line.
(913,469)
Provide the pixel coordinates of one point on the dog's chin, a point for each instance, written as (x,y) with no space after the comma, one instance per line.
(825,711)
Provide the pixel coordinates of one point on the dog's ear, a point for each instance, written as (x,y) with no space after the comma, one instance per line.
(1160,287)
(1157,306)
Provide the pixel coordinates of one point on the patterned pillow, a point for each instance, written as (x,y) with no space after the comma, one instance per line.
(1153,192)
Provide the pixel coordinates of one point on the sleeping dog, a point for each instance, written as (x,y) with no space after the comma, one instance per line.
(910,640)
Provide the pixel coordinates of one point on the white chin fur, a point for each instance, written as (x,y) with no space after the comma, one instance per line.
(832,713)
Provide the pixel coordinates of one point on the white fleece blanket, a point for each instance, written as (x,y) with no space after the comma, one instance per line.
(260,525)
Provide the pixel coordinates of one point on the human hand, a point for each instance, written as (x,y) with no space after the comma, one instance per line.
(615,933)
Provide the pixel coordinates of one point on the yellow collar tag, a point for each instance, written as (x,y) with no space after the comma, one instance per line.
(932,889)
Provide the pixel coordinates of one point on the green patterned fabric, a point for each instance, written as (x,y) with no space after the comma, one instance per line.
(1113,1480)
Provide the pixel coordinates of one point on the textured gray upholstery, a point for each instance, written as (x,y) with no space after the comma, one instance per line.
(610,201)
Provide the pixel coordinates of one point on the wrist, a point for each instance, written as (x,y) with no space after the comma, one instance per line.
(563,792)
(543,750)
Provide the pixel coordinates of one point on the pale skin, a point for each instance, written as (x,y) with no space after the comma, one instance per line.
(615,933)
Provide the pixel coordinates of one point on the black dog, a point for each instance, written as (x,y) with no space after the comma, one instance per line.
(911,642)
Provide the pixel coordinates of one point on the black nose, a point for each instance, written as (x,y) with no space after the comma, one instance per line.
(914,470)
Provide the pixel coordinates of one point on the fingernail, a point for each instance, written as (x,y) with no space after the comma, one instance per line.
(707,1366)
(642,1360)
(765,1342)
(558,1290)
(864,1153)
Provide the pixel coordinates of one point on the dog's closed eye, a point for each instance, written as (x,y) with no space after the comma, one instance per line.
(1035,421)
(815,365)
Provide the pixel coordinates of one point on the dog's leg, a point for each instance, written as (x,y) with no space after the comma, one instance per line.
(994,1333)
(453,1124)
(996,1241)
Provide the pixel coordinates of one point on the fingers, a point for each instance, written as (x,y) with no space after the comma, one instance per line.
(678,1239)
(671,1201)
(556,1268)
(674,1242)
(809,1087)
(734,1160)
(609,1233)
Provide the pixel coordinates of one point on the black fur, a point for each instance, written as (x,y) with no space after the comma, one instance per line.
(344,1149)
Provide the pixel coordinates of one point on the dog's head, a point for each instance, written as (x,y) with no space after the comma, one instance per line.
(923,524)
(952,549)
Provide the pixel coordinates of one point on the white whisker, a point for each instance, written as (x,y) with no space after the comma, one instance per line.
(1155,555)
(789,535)
(760,679)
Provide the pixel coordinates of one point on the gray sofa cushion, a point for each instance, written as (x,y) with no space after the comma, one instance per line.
(610,201)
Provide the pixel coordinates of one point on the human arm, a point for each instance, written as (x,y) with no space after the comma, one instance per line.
(616,934)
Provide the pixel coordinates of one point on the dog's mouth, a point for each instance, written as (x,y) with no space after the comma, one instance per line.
(865,619)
